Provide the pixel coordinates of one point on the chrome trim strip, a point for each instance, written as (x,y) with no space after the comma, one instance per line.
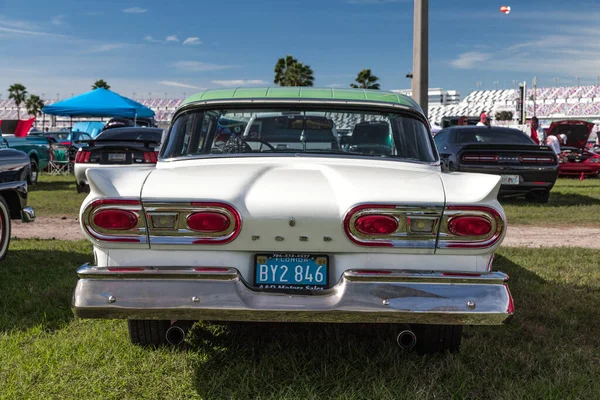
(403,296)
(403,237)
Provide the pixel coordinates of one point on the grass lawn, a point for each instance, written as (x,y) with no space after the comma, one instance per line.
(549,350)
(571,202)
(55,196)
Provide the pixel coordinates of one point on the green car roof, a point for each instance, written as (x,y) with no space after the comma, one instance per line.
(304,93)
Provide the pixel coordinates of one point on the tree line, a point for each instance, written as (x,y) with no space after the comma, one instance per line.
(33,103)
(291,72)
(288,72)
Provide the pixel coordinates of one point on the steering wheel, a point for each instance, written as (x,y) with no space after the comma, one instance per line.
(269,145)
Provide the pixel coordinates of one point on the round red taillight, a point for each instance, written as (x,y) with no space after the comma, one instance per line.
(469,226)
(209,222)
(376,224)
(117,220)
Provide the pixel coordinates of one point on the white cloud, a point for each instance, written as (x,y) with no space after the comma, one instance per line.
(239,82)
(178,84)
(197,66)
(470,59)
(192,40)
(172,38)
(17,24)
(135,10)
(565,51)
(58,20)
(105,47)
(29,32)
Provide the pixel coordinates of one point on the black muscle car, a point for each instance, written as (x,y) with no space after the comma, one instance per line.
(527,169)
(15,170)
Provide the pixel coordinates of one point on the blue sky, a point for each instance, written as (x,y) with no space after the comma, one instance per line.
(175,47)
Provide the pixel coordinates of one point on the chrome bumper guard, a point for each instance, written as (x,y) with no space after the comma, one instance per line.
(27,214)
(397,297)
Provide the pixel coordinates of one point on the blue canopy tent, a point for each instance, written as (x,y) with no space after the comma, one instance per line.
(99,103)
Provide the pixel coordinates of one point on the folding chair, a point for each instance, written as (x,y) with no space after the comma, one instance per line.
(60,163)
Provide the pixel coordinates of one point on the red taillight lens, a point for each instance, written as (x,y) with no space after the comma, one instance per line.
(150,156)
(117,220)
(469,226)
(83,156)
(480,158)
(65,143)
(376,225)
(537,159)
(473,227)
(208,222)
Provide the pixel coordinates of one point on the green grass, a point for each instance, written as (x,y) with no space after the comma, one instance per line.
(549,350)
(55,196)
(572,202)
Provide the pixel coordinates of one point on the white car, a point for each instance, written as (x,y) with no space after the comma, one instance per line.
(117,147)
(242,229)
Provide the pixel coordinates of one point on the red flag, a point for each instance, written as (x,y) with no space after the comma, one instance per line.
(23,127)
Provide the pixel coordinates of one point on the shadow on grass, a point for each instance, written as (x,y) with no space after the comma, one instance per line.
(551,333)
(50,186)
(556,200)
(36,287)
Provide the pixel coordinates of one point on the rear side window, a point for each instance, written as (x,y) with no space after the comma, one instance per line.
(491,135)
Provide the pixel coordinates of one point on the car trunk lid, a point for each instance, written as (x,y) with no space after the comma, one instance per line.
(292,205)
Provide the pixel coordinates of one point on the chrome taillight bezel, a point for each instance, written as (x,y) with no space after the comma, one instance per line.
(448,240)
(181,233)
(137,234)
(403,237)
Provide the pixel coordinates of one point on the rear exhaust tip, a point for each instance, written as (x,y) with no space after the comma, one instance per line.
(406,339)
(175,335)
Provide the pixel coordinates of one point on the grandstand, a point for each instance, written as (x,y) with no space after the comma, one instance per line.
(551,103)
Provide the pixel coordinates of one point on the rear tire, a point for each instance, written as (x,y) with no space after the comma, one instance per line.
(33,173)
(5,228)
(148,332)
(433,339)
(540,197)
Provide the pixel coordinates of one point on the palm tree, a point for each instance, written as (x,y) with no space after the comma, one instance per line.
(18,94)
(34,105)
(366,80)
(100,83)
(290,72)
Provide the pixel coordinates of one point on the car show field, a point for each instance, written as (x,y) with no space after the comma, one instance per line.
(549,350)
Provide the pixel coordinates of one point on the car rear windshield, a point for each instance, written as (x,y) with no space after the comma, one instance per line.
(492,135)
(230,133)
(153,135)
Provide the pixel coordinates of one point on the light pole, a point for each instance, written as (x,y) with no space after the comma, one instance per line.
(420,81)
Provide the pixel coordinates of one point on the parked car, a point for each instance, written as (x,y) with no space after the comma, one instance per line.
(574,158)
(37,149)
(449,121)
(123,147)
(307,232)
(15,171)
(526,169)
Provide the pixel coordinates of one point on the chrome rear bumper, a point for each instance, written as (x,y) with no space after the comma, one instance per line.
(222,295)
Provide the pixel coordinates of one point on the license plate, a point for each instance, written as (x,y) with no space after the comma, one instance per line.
(116,156)
(291,271)
(510,179)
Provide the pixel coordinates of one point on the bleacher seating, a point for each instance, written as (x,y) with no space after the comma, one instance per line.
(552,102)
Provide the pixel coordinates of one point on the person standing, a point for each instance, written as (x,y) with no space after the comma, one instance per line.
(462,121)
(484,120)
(533,131)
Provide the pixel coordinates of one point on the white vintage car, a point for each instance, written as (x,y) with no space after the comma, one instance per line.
(260,209)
